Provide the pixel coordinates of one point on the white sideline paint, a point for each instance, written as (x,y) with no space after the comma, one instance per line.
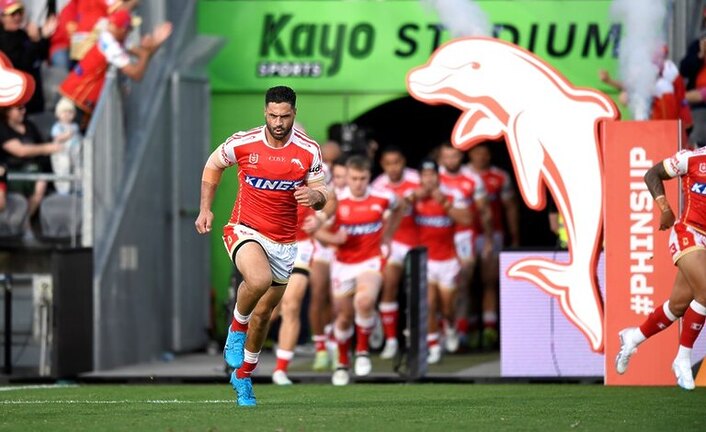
(38,387)
(113,402)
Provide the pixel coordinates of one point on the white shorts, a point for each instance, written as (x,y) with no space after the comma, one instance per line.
(344,276)
(398,251)
(323,253)
(305,252)
(280,255)
(444,273)
(464,245)
(684,239)
(498,239)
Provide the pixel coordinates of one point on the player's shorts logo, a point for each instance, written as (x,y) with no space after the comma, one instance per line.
(253,158)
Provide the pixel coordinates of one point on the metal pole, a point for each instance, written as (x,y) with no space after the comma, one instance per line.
(8,324)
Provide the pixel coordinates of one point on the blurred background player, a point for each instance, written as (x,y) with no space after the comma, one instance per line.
(360,233)
(503,205)
(471,186)
(320,302)
(290,307)
(401,181)
(437,209)
(687,244)
(279,168)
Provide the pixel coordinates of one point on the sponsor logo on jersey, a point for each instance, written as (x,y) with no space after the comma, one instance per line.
(276,158)
(702,167)
(699,188)
(298,163)
(376,208)
(315,169)
(274,185)
(362,229)
(434,221)
(253,158)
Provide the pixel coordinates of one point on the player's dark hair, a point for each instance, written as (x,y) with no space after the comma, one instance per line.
(281,94)
(341,161)
(391,148)
(359,163)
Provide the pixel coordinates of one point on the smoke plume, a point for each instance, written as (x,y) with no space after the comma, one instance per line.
(641,43)
(462,17)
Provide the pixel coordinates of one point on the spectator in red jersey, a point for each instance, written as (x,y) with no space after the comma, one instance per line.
(505,219)
(687,244)
(401,181)
(437,209)
(279,168)
(85,82)
(361,232)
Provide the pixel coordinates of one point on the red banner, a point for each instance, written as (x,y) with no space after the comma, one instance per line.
(639,269)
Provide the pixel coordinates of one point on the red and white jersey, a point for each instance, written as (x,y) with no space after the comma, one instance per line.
(498,187)
(362,219)
(302,214)
(691,165)
(268,177)
(407,231)
(471,186)
(436,228)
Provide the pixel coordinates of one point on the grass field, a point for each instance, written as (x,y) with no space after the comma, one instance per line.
(359,407)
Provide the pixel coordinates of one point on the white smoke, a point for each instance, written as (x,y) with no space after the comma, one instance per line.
(461,17)
(643,37)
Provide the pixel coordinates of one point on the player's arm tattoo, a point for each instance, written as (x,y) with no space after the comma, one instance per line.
(654,179)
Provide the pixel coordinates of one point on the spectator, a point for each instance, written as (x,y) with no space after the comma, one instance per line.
(85,82)
(669,93)
(23,149)
(692,69)
(66,131)
(26,47)
(80,24)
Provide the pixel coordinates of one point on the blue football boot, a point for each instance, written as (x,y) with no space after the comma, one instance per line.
(243,389)
(234,351)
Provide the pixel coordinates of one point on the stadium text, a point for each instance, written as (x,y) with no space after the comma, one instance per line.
(289,47)
(641,234)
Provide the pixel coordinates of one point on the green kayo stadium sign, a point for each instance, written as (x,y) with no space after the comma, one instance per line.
(334,46)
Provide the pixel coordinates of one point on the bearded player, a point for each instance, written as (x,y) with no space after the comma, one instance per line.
(279,168)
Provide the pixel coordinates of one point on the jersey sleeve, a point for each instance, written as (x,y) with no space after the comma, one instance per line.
(113,51)
(677,165)
(316,171)
(226,153)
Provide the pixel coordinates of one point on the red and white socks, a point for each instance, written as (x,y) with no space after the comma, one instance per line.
(692,323)
(249,365)
(389,315)
(283,359)
(240,321)
(363,328)
(343,339)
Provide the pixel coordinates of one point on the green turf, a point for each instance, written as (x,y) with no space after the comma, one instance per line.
(359,408)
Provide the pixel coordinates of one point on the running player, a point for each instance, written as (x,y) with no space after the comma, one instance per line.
(357,269)
(320,304)
(279,168)
(687,244)
(437,209)
(502,203)
(402,181)
(471,185)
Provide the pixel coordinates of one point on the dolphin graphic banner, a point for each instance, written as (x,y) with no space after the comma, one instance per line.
(639,269)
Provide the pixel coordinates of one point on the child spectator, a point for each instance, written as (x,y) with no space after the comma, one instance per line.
(66,131)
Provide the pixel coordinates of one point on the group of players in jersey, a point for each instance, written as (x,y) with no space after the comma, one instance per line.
(347,241)
(353,255)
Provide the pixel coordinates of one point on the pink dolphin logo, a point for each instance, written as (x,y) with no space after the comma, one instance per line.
(16,87)
(551,129)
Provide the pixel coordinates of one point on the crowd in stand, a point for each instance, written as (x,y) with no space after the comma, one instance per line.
(73,43)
